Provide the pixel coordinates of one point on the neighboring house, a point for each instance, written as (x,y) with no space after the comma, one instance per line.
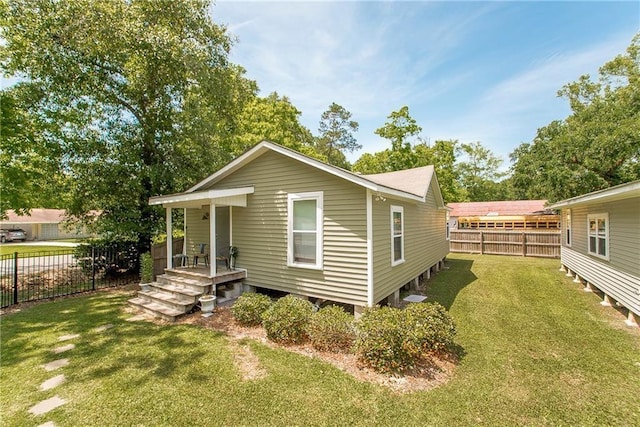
(503,215)
(601,243)
(44,224)
(308,228)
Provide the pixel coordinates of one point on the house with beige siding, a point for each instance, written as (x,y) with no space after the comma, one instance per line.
(601,244)
(308,228)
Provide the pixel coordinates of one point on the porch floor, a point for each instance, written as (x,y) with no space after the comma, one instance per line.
(223,275)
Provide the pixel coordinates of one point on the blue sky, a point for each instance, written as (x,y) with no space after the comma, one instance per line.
(471,71)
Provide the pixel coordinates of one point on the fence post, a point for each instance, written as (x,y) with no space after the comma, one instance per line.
(93,267)
(481,243)
(524,244)
(15,277)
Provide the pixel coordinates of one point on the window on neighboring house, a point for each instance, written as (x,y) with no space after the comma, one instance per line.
(305,217)
(397,235)
(598,235)
(568,228)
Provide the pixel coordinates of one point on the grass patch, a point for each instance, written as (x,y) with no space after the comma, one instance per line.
(536,351)
(27,251)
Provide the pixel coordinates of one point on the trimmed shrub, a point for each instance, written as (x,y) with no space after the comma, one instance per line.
(393,340)
(430,326)
(146,268)
(287,319)
(249,308)
(331,329)
(381,342)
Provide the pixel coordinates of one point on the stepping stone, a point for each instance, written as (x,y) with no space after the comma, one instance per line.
(47,405)
(68,337)
(414,298)
(103,328)
(52,366)
(52,382)
(64,348)
(47,424)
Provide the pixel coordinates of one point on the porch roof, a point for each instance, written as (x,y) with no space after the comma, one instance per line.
(224,197)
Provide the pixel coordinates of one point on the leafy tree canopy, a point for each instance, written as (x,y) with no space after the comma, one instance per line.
(275,119)
(124,89)
(28,162)
(597,146)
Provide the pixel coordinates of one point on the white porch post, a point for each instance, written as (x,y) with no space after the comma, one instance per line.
(184,229)
(230,225)
(212,239)
(169,239)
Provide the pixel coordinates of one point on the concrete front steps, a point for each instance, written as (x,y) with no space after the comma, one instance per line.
(172,295)
(176,292)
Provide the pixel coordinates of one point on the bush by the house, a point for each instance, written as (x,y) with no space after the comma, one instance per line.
(393,340)
(249,308)
(331,329)
(146,268)
(430,326)
(287,319)
(382,340)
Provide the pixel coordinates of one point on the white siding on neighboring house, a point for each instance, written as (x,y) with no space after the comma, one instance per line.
(617,274)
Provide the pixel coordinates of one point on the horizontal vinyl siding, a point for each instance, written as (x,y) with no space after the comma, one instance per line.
(619,285)
(624,233)
(424,242)
(197,230)
(260,230)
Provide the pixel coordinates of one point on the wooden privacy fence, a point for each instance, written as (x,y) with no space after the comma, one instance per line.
(159,255)
(525,243)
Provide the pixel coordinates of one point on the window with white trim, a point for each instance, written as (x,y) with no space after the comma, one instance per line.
(568,228)
(397,235)
(598,232)
(447,233)
(305,217)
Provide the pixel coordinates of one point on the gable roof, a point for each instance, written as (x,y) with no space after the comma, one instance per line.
(414,181)
(497,208)
(411,184)
(618,192)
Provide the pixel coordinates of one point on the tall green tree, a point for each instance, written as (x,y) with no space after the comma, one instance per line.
(141,92)
(400,129)
(336,134)
(597,146)
(444,155)
(273,118)
(479,172)
(29,164)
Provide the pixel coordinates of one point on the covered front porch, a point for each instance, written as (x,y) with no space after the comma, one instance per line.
(208,232)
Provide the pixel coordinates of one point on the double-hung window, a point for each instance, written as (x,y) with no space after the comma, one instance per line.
(598,231)
(305,217)
(568,228)
(397,235)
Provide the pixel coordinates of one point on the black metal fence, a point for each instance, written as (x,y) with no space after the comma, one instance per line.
(48,274)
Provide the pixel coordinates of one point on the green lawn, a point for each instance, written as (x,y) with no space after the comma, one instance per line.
(537,351)
(25,251)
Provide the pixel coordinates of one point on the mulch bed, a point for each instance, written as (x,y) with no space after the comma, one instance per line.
(431,372)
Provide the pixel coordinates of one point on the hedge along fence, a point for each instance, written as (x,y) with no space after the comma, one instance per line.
(545,244)
(54,273)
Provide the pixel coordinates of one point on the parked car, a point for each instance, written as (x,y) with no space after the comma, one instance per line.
(12,235)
